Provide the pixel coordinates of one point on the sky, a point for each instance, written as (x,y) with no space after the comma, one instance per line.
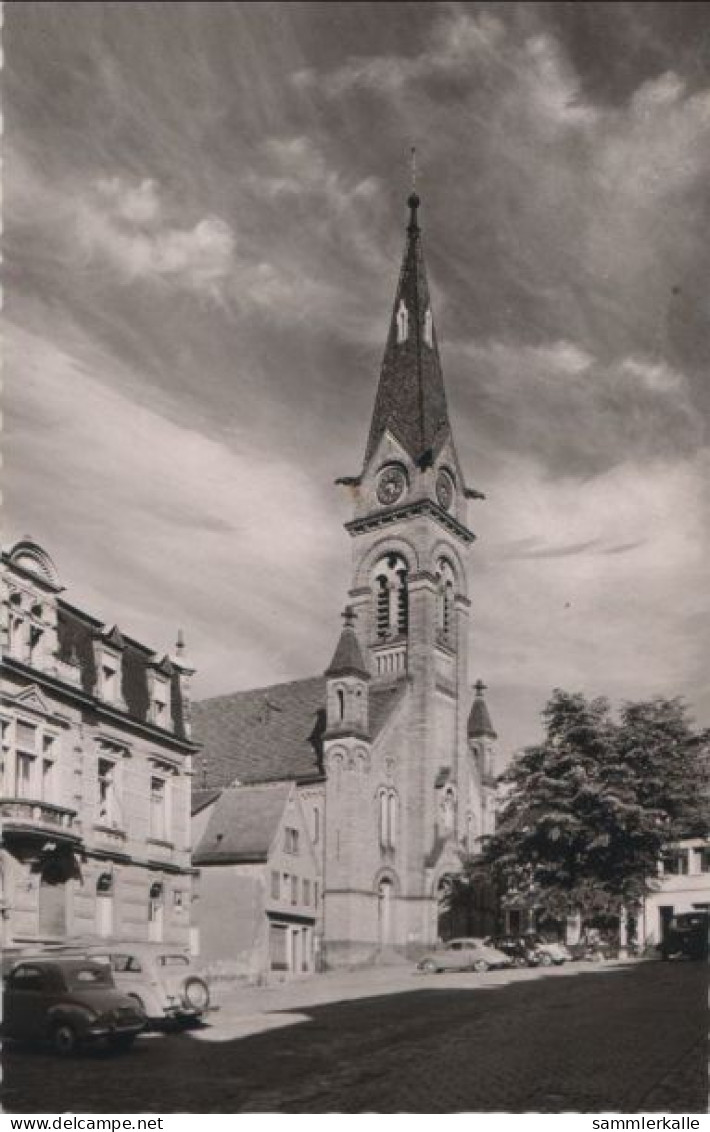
(204,221)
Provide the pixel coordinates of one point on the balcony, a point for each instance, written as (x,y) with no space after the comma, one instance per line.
(25,817)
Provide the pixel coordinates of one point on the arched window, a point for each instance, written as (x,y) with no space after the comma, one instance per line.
(392,818)
(387,814)
(316,824)
(391,597)
(448,808)
(446,578)
(402,322)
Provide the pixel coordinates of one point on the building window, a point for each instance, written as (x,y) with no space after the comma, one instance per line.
(294,890)
(315,893)
(306,892)
(340,695)
(23,775)
(675,863)
(316,825)
(703,859)
(387,802)
(275,886)
(392,597)
(159,823)
(35,644)
(445,614)
(107,792)
(291,840)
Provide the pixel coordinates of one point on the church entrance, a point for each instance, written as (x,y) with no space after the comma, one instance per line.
(385,892)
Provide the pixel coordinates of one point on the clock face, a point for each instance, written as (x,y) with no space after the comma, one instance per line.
(444,490)
(391,485)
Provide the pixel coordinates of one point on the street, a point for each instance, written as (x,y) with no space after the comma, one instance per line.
(585,1037)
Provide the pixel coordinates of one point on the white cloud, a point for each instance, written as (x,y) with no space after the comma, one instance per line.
(620,613)
(170,527)
(127,224)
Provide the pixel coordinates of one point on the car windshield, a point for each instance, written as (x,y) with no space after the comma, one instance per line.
(173,961)
(81,977)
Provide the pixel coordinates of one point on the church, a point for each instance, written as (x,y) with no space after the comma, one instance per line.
(391,752)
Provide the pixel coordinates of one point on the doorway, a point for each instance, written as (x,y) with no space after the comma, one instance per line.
(52,900)
(385,892)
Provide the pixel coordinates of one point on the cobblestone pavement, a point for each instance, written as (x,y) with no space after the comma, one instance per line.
(585,1038)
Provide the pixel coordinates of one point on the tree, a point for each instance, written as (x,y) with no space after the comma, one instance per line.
(588,812)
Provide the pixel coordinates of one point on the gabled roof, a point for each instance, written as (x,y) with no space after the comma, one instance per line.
(200,798)
(243,824)
(411,401)
(273,733)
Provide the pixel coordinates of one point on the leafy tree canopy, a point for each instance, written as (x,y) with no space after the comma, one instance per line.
(587,813)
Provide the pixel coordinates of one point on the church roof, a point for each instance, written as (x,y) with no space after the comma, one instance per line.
(411,401)
(273,733)
(243,824)
(479,720)
(348,659)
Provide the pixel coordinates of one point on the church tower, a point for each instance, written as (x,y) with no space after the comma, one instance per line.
(405,785)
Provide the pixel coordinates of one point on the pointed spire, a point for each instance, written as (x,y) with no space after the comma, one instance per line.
(411,401)
(348,659)
(479,720)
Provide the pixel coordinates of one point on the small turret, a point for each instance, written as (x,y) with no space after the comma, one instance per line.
(348,677)
(479,720)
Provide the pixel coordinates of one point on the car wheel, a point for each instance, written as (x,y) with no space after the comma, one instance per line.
(546,960)
(195,993)
(429,967)
(139,1003)
(64,1039)
(480,966)
(122,1042)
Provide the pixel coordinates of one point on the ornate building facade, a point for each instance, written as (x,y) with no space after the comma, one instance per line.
(392,750)
(96,764)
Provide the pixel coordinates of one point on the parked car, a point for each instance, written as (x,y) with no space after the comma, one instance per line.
(464,955)
(686,936)
(521,952)
(69,1002)
(160,978)
(551,952)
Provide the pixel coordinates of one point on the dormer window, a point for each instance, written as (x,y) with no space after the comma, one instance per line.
(402,322)
(428,328)
(159,691)
(109,681)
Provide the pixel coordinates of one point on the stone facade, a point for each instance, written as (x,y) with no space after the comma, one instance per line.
(96,764)
(388,746)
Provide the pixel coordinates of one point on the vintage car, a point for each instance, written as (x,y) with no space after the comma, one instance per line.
(550,951)
(70,1002)
(161,979)
(521,952)
(464,955)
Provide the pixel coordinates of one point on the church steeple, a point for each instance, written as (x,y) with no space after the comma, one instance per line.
(411,402)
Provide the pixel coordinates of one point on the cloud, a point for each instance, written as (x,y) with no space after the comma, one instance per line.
(220,537)
(127,223)
(568,603)
(572,411)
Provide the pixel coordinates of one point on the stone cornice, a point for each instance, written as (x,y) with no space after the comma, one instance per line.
(411,511)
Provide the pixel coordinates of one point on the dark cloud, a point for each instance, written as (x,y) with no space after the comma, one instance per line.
(204,218)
